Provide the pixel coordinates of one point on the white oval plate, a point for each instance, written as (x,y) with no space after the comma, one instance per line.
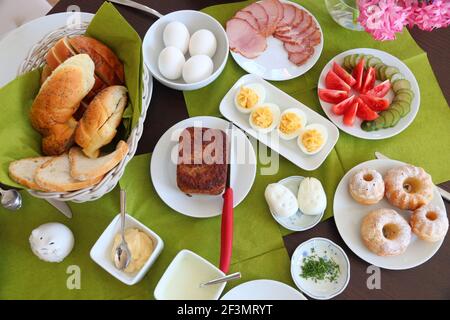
(299,221)
(273,64)
(321,289)
(163,170)
(16,45)
(263,290)
(288,149)
(356,130)
(348,215)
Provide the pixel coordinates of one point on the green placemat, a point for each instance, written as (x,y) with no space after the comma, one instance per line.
(17,96)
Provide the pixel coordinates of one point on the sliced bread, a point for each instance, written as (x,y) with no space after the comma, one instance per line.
(23,171)
(54,175)
(83,168)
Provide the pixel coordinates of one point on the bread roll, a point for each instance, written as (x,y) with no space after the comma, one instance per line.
(98,125)
(58,99)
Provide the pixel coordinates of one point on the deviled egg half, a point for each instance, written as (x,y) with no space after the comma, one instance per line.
(265,117)
(312,138)
(248,96)
(292,121)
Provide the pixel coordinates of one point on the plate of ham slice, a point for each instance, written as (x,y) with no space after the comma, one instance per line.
(274,39)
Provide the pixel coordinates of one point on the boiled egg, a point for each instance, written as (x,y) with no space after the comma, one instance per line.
(197,68)
(170,63)
(312,138)
(281,200)
(176,34)
(291,123)
(264,117)
(248,96)
(203,42)
(311,197)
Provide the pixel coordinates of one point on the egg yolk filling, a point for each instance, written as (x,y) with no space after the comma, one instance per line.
(312,140)
(290,122)
(262,117)
(247,98)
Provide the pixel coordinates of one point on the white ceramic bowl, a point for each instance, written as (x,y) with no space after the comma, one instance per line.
(194,20)
(101,251)
(321,289)
(182,279)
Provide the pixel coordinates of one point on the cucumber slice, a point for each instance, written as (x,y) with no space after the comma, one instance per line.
(397,117)
(406,91)
(378,123)
(402,107)
(373,61)
(353,60)
(367,125)
(400,84)
(390,71)
(388,117)
(402,97)
(367,57)
(378,67)
(347,62)
(406,109)
(383,72)
(396,76)
(360,56)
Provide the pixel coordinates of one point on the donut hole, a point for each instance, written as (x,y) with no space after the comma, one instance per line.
(431,215)
(390,231)
(411,185)
(368,177)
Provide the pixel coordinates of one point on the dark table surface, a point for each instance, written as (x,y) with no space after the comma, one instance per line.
(428,281)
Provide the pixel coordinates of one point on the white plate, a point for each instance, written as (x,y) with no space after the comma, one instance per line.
(16,46)
(163,170)
(288,149)
(321,289)
(273,63)
(299,221)
(356,130)
(348,215)
(263,290)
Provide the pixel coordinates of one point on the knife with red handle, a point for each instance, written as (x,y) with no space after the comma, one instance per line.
(226,241)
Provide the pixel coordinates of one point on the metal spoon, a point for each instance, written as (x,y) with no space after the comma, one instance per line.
(227,278)
(122,257)
(11,199)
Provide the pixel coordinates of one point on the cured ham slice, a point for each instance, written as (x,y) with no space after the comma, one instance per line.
(288,16)
(301,57)
(296,48)
(298,17)
(247,16)
(245,39)
(271,8)
(256,10)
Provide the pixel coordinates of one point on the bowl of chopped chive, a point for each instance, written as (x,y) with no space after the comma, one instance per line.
(320,268)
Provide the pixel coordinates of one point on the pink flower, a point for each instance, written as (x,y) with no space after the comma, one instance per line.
(429,16)
(382,18)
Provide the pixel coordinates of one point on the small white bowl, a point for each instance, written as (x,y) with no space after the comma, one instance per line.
(101,251)
(182,279)
(194,20)
(321,289)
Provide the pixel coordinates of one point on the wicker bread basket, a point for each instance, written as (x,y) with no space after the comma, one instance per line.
(35,59)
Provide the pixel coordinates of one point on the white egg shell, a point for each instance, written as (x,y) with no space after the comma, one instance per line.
(170,63)
(203,42)
(176,35)
(281,200)
(303,121)
(314,126)
(276,117)
(311,197)
(197,68)
(52,242)
(260,92)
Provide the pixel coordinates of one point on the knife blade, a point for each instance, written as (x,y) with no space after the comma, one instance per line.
(226,236)
(444,194)
(61,206)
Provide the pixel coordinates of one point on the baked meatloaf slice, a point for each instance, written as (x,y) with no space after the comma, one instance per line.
(202,161)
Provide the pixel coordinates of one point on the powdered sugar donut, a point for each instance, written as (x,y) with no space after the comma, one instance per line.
(367,186)
(429,223)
